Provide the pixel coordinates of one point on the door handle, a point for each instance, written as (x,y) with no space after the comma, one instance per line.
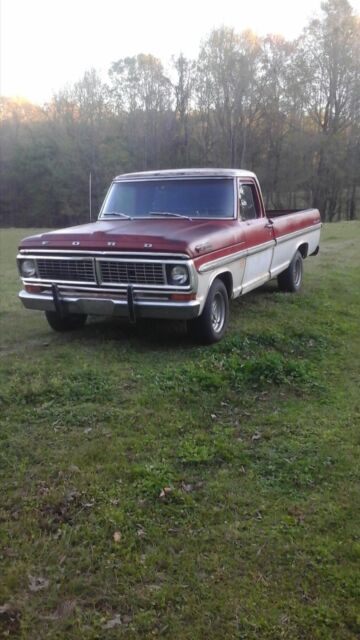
(269,225)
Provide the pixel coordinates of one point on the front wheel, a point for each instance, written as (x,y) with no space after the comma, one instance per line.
(211,325)
(291,278)
(65,323)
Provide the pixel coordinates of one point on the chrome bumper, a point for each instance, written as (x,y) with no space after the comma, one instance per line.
(113,307)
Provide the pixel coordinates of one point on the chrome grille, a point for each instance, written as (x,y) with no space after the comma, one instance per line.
(132,272)
(66,269)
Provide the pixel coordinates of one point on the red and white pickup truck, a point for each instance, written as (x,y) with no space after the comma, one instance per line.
(168,244)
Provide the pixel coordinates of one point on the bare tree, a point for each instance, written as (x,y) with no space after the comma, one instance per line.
(330,68)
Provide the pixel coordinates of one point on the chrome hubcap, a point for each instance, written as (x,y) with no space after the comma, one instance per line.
(297,272)
(218,312)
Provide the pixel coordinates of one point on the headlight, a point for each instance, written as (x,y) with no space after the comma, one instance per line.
(178,274)
(27,268)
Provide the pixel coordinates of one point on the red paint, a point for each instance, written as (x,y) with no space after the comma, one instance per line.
(172,235)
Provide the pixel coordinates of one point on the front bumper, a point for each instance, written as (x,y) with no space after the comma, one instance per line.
(111,306)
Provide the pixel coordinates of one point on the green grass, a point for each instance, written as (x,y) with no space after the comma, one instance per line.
(231,472)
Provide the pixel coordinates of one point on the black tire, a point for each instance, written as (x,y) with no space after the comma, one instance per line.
(211,325)
(67,322)
(291,278)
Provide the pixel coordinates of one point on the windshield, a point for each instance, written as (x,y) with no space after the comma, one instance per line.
(203,198)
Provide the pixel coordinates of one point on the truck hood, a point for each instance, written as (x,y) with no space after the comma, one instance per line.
(173,235)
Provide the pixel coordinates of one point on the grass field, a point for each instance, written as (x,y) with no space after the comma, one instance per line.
(154,488)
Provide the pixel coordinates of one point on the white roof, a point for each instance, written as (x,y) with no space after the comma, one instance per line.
(187,173)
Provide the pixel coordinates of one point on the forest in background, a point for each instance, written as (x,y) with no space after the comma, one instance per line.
(287,110)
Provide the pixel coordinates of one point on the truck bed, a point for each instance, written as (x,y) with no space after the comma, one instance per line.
(276,213)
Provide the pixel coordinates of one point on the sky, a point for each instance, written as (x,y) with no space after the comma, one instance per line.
(48,44)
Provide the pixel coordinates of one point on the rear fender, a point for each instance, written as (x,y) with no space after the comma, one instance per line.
(303,247)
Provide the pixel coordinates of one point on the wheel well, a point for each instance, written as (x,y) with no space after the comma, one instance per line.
(304,248)
(314,253)
(226,278)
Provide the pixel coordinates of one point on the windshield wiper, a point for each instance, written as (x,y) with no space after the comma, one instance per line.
(118,214)
(170,214)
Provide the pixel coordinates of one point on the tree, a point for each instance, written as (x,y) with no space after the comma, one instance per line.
(330,70)
(183,89)
(226,75)
(140,88)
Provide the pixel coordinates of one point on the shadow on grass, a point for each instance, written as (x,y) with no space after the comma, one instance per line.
(154,334)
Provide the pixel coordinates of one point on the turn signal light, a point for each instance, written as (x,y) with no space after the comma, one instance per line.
(183,297)
(33,288)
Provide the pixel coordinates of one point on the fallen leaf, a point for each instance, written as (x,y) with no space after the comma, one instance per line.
(4,609)
(187,487)
(297,513)
(117,536)
(9,553)
(114,622)
(63,611)
(74,469)
(72,495)
(164,492)
(256,436)
(284,620)
(37,583)
(43,489)
(9,618)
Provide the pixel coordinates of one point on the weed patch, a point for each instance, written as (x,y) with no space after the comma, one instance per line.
(239,365)
(82,384)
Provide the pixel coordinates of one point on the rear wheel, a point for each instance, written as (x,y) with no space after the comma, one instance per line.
(65,323)
(291,278)
(211,325)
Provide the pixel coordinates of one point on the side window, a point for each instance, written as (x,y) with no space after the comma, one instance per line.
(247,202)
